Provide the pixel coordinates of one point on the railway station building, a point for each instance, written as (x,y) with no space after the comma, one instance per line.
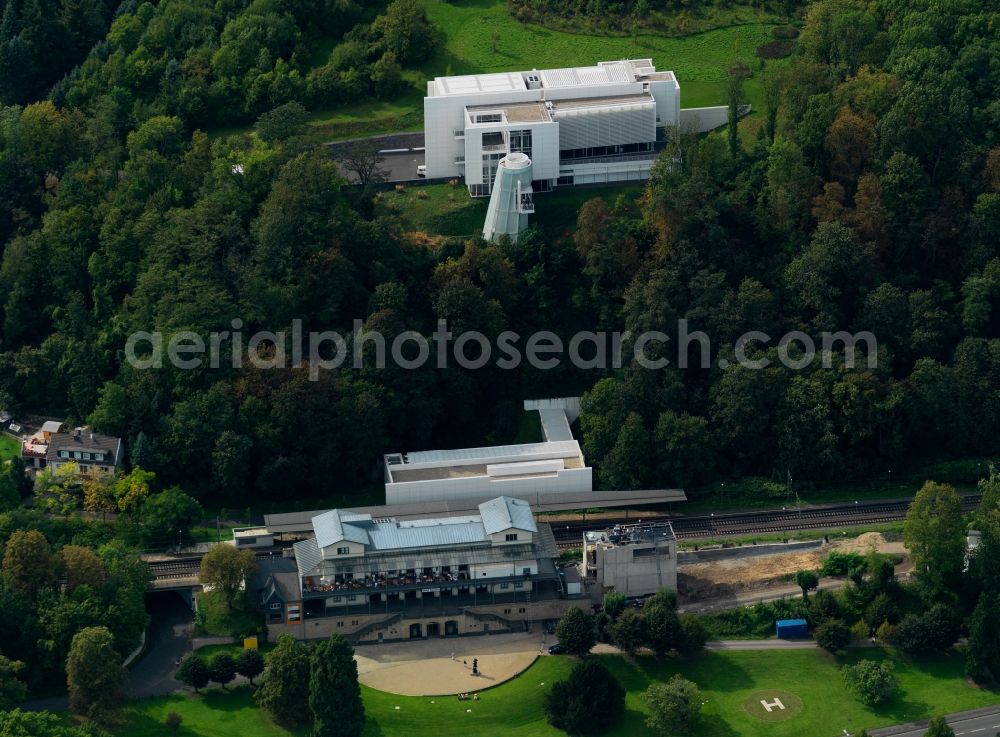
(381,578)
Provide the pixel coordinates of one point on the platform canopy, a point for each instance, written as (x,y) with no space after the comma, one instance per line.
(301,522)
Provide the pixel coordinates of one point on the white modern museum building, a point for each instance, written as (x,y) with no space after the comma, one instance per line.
(577,126)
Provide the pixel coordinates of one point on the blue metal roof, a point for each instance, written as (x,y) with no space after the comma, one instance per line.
(505,513)
(333,527)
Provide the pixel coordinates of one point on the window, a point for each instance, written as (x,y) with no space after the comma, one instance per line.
(294,614)
(86,456)
(276,605)
(526,571)
(504,585)
(511,537)
(489,118)
(64,454)
(77,454)
(340,624)
(343,551)
(521,141)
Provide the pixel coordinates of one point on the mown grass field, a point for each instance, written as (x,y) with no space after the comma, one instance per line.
(515,709)
(9,447)
(468,27)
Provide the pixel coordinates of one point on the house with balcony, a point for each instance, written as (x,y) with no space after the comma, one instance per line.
(375,578)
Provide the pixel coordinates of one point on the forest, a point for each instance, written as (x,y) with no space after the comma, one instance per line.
(867,197)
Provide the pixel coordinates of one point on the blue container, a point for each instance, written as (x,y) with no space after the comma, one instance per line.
(788,629)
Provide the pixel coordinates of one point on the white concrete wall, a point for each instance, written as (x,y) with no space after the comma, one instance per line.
(667,94)
(330,552)
(617,568)
(486,571)
(483,488)
(703,119)
(500,538)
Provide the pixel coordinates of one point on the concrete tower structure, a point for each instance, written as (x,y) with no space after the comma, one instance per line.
(511,200)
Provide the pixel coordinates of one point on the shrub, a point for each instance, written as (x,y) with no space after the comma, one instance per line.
(886,632)
(422,195)
(833,635)
(838,563)
(777,49)
(173,721)
(935,629)
(785,32)
(691,635)
(613,604)
(588,702)
(871,682)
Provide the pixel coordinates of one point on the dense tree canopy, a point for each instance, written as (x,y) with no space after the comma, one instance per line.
(868,200)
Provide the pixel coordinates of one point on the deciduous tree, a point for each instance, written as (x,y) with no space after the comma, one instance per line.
(227,569)
(193,671)
(29,565)
(94,674)
(250,664)
(935,533)
(674,706)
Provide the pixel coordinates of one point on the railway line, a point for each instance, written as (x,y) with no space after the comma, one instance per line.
(189,567)
(568,534)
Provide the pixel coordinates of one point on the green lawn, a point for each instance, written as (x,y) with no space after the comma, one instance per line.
(514,709)
(9,448)
(443,209)
(700,61)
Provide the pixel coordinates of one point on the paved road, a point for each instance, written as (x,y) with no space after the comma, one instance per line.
(169,640)
(403,152)
(403,166)
(983,722)
(774,645)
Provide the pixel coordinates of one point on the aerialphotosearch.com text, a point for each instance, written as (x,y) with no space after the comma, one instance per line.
(318,351)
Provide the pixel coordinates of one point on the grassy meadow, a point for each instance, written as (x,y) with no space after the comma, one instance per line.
(730,682)
(469,26)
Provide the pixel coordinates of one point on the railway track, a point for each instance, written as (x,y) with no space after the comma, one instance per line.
(189,567)
(568,534)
